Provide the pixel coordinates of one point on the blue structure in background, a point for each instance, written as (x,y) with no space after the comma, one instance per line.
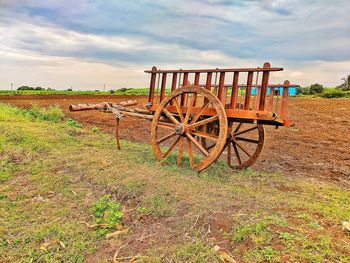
(292,90)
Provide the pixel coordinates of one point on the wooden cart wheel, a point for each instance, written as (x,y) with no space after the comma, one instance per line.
(244,144)
(171,129)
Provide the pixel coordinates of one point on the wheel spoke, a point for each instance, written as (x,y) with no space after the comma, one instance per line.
(170,116)
(167,137)
(166,125)
(171,148)
(178,110)
(247,130)
(238,127)
(237,154)
(190,153)
(202,122)
(211,146)
(204,135)
(246,140)
(243,149)
(197,144)
(181,146)
(189,109)
(195,118)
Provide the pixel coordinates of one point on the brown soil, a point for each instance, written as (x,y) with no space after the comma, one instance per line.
(318,146)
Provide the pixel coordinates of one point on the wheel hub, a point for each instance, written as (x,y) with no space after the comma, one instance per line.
(180,129)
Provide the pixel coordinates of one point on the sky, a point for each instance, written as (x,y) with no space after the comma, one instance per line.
(87,44)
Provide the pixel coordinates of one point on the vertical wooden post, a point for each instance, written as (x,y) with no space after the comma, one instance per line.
(152,85)
(173,85)
(162,88)
(234,94)
(283,111)
(208,83)
(184,83)
(264,84)
(271,97)
(221,88)
(196,83)
(248,90)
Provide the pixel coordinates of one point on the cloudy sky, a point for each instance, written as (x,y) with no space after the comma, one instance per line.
(86,44)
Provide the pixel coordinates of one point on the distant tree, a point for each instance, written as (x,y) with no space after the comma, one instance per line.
(316,88)
(25,88)
(70,89)
(303,90)
(346,84)
(39,88)
(48,88)
(112,91)
(123,89)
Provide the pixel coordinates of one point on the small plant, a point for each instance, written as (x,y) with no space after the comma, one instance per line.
(74,123)
(95,129)
(107,213)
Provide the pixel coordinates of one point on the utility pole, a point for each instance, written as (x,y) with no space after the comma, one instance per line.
(11,86)
(104,87)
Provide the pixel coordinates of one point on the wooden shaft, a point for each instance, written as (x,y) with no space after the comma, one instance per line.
(162,89)
(234,94)
(248,90)
(152,85)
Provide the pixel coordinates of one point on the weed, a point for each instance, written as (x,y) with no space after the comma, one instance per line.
(107,212)
(73,123)
(95,129)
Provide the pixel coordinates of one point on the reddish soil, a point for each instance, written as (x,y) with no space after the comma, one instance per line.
(318,146)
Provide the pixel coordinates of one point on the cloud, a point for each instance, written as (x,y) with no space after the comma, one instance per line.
(301,36)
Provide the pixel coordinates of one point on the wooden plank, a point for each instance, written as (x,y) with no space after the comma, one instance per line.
(283,110)
(162,88)
(184,96)
(248,90)
(221,87)
(152,85)
(234,94)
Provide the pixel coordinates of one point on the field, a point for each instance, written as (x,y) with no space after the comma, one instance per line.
(57,176)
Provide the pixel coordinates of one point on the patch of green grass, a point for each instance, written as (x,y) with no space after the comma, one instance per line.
(257,229)
(52,113)
(195,251)
(160,203)
(107,212)
(74,123)
(95,129)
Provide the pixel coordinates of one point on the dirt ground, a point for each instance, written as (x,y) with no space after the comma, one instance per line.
(318,146)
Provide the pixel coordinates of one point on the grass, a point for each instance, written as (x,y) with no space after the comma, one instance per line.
(56,177)
(124,91)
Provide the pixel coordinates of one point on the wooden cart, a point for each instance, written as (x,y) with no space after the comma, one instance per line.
(215,117)
(204,120)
